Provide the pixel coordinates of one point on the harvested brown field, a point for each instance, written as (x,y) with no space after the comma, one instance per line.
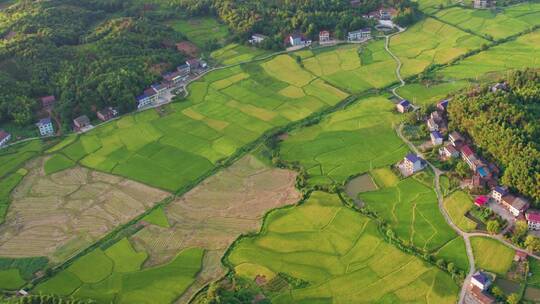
(216,212)
(57,215)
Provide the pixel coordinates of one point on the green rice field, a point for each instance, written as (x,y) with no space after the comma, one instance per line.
(410,207)
(236,53)
(432,6)
(15,156)
(492,255)
(353,68)
(349,142)
(457,205)
(499,23)
(421,94)
(226,110)
(495,60)
(201,30)
(340,255)
(455,252)
(431,42)
(115,275)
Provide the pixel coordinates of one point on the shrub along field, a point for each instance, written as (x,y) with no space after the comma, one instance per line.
(425,95)
(410,207)
(431,42)
(492,255)
(516,54)
(351,67)
(348,142)
(236,53)
(499,23)
(457,205)
(115,275)
(339,255)
(225,110)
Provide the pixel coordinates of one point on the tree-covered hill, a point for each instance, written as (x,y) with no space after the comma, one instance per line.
(505,126)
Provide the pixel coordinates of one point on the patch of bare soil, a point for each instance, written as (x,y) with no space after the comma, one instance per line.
(216,212)
(58,215)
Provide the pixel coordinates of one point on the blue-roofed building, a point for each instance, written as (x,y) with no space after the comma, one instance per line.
(498,193)
(403,106)
(436,138)
(443,105)
(483,171)
(412,163)
(148,97)
(481,280)
(45,127)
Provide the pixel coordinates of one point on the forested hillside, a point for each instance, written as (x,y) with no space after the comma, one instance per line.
(87,53)
(505,125)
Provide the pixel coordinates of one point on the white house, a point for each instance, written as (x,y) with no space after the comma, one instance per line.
(432,124)
(515,204)
(533,219)
(297,40)
(360,35)
(498,193)
(480,280)
(448,151)
(403,106)
(160,88)
(436,138)
(45,126)
(148,97)
(324,36)
(256,38)
(455,138)
(4,138)
(184,70)
(412,163)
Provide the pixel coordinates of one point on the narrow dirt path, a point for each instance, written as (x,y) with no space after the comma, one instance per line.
(398,61)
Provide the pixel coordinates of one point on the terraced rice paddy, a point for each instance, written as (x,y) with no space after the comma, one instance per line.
(431,42)
(522,51)
(57,215)
(226,110)
(115,275)
(236,53)
(201,30)
(411,208)
(498,24)
(216,212)
(492,255)
(457,205)
(353,68)
(424,95)
(341,256)
(349,142)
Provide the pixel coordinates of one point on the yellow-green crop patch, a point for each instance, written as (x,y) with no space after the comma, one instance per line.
(516,54)
(455,252)
(225,110)
(201,30)
(492,255)
(431,42)
(457,205)
(421,94)
(236,53)
(411,208)
(354,68)
(499,23)
(341,256)
(346,143)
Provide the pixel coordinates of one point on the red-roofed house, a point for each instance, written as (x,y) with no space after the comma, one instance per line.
(520,256)
(448,151)
(481,200)
(324,36)
(48,101)
(468,156)
(533,219)
(4,137)
(480,296)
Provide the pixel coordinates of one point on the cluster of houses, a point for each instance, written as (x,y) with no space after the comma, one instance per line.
(483,4)
(171,80)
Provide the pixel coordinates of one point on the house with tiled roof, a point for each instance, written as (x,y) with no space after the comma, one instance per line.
(148,97)
(481,296)
(448,151)
(456,139)
(403,106)
(4,137)
(517,205)
(324,36)
(468,156)
(443,105)
(81,122)
(107,114)
(257,38)
(533,219)
(184,70)
(498,192)
(481,200)
(481,280)
(45,127)
(436,138)
(359,35)
(412,163)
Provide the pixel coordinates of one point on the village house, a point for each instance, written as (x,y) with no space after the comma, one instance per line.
(443,105)
(324,36)
(412,163)
(448,151)
(172,79)
(432,124)
(481,297)
(48,101)
(81,122)
(501,86)
(184,70)
(385,14)
(148,97)
(482,4)
(4,137)
(297,40)
(469,157)
(256,38)
(481,280)
(45,127)
(403,106)
(360,35)
(193,64)
(107,114)
(533,219)
(498,192)
(481,200)
(520,256)
(515,204)
(159,88)
(436,138)
(456,139)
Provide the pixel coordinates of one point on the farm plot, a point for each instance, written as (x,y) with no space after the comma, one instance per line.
(423,95)
(57,215)
(226,110)
(455,252)
(498,24)
(354,68)
(340,255)
(236,53)
(411,208)
(346,143)
(492,255)
(115,275)
(215,213)
(457,205)
(523,51)
(201,30)
(431,42)
(13,157)
(432,6)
